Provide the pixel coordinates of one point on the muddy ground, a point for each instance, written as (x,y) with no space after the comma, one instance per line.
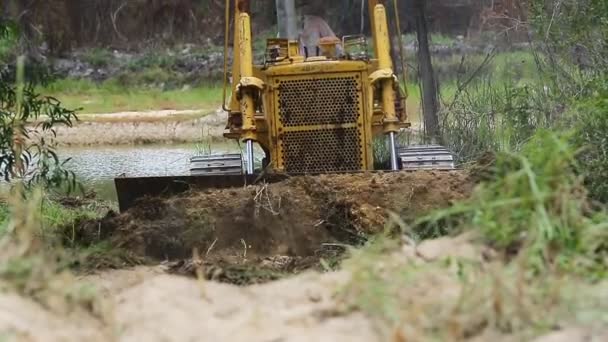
(257,233)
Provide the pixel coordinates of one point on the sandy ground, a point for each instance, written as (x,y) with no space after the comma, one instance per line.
(143,127)
(296,309)
(146,304)
(154,115)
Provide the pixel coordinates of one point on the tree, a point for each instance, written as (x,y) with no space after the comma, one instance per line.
(430,103)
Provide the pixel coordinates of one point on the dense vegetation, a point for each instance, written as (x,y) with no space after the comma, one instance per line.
(65,24)
(563,88)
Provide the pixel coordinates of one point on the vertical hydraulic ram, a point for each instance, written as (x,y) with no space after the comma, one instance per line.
(247,87)
(385,79)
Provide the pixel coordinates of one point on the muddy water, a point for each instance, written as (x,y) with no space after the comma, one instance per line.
(97,166)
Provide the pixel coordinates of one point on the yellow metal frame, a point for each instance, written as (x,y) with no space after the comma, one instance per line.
(250,84)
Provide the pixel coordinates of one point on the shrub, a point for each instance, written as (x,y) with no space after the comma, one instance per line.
(592,137)
(98,57)
(28,124)
(536,207)
(485,118)
(8,40)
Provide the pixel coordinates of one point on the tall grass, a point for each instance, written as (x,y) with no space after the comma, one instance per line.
(491,116)
(535,206)
(591,134)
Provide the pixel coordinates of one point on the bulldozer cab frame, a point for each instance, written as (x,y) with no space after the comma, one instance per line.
(312,114)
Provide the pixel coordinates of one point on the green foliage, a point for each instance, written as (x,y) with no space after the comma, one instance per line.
(382,154)
(536,204)
(112,96)
(28,124)
(8,40)
(591,134)
(576,30)
(153,60)
(485,117)
(4,219)
(98,57)
(29,267)
(54,216)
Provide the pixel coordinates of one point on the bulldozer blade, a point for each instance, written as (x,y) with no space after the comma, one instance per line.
(129,190)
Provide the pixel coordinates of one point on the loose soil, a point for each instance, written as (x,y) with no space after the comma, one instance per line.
(260,232)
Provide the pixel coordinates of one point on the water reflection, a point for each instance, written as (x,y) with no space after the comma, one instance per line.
(97,166)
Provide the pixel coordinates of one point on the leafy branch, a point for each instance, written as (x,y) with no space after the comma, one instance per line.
(28,127)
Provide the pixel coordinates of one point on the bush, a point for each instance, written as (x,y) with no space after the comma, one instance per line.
(536,207)
(98,57)
(28,123)
(592,137)
(8,40)
(485,118)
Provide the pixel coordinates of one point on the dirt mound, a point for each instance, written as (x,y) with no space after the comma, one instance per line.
(302,216)
(145,303)
(23,319)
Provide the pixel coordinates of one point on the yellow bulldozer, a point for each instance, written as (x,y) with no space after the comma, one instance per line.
(313,104)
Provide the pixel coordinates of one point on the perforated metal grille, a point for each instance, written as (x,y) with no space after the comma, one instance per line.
(324,150)
(319,101)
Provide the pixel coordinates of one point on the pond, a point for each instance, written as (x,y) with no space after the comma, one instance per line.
(97,166)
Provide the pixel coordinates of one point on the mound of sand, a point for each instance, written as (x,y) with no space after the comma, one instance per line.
(147,304)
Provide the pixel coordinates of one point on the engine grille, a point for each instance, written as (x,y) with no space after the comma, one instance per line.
(323,150)
(319,101)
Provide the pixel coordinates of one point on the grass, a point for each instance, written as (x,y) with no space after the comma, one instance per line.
(35,267)
(503,69)
(532,257)
(108,97)
(57,227)
(4,218)
(148,85)
(98,57)
(54,215)
(455,298)
(435,39)
(536,204)
(516,67)
(591,125)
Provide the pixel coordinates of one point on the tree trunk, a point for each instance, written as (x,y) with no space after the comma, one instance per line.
(287,19)
(430,103)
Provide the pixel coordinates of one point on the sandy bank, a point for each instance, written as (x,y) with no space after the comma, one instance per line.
(143,128)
